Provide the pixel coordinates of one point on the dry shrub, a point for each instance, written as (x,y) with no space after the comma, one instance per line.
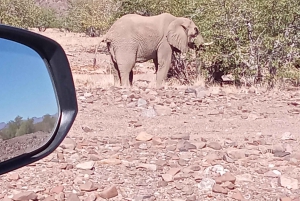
(183,71)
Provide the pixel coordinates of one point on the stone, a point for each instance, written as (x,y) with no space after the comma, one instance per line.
(141,102)
(162,110)
(27,195)
(272,173)
(180,137)
(167,177)
(236,153)
(109,192)
(160,162)
(91,197)
(195,168)
(68,143)
(6,199)
(211,157)
(14,176)
(278,148)
(143,136)
(60,196)
(161,184)
(214,145)
(281,154)
(173,171)
(50,198)
(287,136)
(88,186)
(57,189)
(88,165)
(219,189)
(156,141)
(228,177)
(228,159)
(200,145)
(237,195)
(60,156)
(152,167)
(206,184)
(244,178)
(171,147)
(288,182)
(228,184)
(110,161)
(191,198)
(73,197)
(186,146)
(150,113)
(182,162)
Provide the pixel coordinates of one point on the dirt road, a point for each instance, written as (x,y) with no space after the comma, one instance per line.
(176,144)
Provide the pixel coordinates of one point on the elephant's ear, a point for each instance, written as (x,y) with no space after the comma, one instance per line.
(177,34)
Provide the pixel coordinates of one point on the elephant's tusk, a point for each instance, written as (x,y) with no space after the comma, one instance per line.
(207,44)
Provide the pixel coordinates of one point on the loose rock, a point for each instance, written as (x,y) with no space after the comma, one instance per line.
(143,136)
(86,165)
(109,192)
(28,195)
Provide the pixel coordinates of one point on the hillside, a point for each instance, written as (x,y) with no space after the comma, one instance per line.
(35,121)
(60,6)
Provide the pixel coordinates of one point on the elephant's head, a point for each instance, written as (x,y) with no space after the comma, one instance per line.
(182,32)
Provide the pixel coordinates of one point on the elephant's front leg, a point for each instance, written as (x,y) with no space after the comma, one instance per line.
(164,56)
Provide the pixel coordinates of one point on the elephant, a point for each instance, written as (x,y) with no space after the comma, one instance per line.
(135,39)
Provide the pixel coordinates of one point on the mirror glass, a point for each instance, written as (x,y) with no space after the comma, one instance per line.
(28,105)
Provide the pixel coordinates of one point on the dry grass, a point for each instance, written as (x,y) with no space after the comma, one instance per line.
(93,81)
(148,80)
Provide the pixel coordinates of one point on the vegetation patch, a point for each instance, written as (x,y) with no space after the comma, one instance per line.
(256,42)
(19,126)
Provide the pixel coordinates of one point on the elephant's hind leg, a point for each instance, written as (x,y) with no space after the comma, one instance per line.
(155,61)
(131,77)
(125,68)
(116,74)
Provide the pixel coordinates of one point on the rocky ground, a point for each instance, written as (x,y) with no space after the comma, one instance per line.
(173,144)
(22,144)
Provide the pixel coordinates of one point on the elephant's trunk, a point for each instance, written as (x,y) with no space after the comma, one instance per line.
(196,42)
(199,40)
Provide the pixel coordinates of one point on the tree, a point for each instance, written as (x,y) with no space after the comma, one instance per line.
(26,127)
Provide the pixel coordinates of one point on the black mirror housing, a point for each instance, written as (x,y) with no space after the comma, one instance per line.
(59,69)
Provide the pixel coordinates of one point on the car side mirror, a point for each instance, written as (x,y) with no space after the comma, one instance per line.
(38,102)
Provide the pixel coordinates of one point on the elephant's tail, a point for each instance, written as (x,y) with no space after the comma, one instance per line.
(103,40)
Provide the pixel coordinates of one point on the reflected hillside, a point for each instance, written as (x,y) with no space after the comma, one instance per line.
(20,126)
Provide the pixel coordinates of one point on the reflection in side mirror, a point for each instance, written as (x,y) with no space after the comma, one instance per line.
(28,105)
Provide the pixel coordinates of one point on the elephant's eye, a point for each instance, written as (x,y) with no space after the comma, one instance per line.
(196,30)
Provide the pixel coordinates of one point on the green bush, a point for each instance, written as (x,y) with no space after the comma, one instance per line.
(47,18)
(83,14)
(26,14)
(19,13)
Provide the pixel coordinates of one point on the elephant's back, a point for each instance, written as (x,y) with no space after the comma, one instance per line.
(121,27)
(131,25)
